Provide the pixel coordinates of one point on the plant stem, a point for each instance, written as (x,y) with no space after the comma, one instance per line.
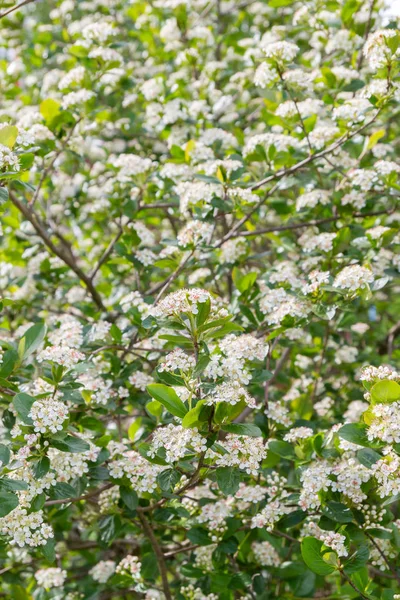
(158,552)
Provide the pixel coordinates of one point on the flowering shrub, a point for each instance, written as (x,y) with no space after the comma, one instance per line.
(199,263)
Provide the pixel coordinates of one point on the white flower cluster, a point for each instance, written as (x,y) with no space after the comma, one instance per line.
(141,473)
(203,556)
(384,424)
(8,159)
(50,578)
(353,278)
(265,554)
(298,433)
(371,373)
(232,393)
(48,415)
(103,570)
(186,302)
(108,499)
(215,513)
(26,529)
(140,380)
(61,355)
(194,233)
(270,515)
(176,441)
(246,453)
(333,540)
(131,165)
(280,51)
(130,565)
(278,304)
(177,360)
(69,465)
(250,493)
(376,49)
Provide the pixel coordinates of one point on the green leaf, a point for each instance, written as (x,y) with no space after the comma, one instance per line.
(368,457)
(338,512)
(192,417)
(32,339)
(228,479)
(23,403)
(49,109)
(48,550)
(283,449)
(12,485)
(375,137)
(129,497)
(198,536)
(8,501)
(204,311)
(4,455)
(154,408)
(38,502)
(8,136)
(3,195)
(243,429)
(243,282)
(357,560)
(62,490)
(355,433)
(168,479)
(70,444)
(385,392)
(41,468)
(168,398)
(135,426)
(312,556)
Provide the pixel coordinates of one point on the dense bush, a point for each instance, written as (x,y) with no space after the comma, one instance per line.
(199,286)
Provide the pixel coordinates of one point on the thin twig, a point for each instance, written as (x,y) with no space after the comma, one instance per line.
(66,257)
(159,555)
(78,498)
(16,7)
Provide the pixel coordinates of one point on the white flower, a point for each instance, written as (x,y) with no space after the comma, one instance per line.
(50,578)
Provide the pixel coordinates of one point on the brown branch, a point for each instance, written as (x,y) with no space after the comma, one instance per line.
(349,581)
(383,555)
(164,285)
(62,254)
(158,552)
(78,498)
(53,160)
(312,223)
(7,391)
(106,254)
(16,7)
(182,549)
(284,172)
